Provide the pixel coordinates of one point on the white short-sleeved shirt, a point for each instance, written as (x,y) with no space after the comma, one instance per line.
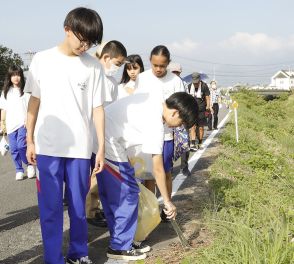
(122,89)
(68,88)
(16,108)
(111,90)
(132,121)
(169,84)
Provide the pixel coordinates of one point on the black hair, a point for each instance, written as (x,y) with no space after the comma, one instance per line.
(85,22)
(186,105)
(131,61)
(161,50)
(114,49)
(13,70)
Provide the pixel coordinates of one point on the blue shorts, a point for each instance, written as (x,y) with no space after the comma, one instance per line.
(167,155)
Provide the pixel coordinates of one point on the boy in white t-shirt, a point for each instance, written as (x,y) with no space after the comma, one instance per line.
(111,55)
(136,120)
(67,87)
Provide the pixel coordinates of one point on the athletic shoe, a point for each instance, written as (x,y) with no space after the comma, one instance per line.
(19,176)
(125,254)
(141,247)
(193,148)
(31,173)
(83,260)
(185,171)
(64,202)
(99,220)
(163,217)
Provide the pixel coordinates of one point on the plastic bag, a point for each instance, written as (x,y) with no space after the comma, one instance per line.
(148,213)
(142,163)
(4,147)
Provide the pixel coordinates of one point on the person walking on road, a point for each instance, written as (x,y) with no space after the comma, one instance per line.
(215,99)
(165,83)
(14,103)
(67,86)
(200,91)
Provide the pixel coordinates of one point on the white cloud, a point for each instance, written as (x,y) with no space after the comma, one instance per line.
(185,46)
(254,43)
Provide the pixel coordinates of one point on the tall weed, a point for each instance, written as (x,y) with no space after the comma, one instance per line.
(252,186)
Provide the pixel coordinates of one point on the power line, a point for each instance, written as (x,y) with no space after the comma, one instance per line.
(238,65)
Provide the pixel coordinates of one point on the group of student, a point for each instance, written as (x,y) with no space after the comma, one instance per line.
(72,120)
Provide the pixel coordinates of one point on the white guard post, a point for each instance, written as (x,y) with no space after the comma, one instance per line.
(235,106)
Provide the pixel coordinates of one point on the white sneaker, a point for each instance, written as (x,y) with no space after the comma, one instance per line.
(19,176)
(31,172)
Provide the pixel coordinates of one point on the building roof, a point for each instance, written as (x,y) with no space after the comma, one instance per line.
(284,74)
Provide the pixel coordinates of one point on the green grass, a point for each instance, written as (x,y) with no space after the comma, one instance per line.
(251,215)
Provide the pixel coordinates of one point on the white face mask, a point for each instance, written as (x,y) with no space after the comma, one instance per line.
(113,69)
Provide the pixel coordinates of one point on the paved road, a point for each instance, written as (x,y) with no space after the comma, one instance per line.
(20,238)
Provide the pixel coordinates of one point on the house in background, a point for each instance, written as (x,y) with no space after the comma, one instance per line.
(282,80)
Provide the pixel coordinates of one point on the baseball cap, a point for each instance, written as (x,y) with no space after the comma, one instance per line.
(174,67)
(195,76)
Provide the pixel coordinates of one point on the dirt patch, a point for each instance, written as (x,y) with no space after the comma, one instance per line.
(191,200)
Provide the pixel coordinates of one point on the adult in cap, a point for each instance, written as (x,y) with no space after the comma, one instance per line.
(200,91)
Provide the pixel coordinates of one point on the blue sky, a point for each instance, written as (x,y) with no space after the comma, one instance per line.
(233,40)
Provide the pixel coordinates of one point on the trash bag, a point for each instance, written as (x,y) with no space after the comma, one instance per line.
(4,147)
(148,213)
(142,163)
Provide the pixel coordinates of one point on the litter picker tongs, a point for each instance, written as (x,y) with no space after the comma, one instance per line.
(180,234)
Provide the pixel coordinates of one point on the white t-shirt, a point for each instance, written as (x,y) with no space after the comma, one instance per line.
(16,107)
(68,88)
(169,84)
(111,90)
(132,121)
(122,89)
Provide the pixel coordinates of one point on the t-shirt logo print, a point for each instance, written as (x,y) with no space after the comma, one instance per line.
(82,85)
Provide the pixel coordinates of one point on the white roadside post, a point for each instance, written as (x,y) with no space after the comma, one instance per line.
(235,106)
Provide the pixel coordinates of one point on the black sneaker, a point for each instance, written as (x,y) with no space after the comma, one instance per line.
(141,247)
(125,254)
(193,148)
(99,220)
(83,260)
(163,217)
(185,171)
(64,201)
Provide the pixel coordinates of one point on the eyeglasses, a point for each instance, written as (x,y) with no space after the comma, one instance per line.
(84,43)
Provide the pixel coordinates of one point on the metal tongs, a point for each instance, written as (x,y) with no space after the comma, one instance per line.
(180,234)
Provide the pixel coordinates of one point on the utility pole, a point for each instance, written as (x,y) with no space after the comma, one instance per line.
(30,54)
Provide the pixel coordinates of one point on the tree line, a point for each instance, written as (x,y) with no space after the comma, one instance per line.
(8,58)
